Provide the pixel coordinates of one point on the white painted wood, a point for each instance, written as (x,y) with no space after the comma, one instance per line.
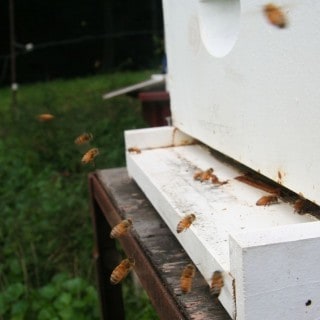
(157,137)
(247,88)
(277,272)
(156,79)
(230,233)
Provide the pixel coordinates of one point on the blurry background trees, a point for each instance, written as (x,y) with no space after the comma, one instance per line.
(47,267)
(75,51)
(78,38)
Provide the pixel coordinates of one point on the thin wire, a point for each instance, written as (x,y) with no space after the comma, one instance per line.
(82,39)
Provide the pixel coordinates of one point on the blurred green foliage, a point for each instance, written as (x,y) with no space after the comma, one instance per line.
(62,298)
(46,240)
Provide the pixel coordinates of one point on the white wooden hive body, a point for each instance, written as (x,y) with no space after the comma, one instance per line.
(248,89)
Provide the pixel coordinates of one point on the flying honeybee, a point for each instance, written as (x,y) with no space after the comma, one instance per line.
(83,138)
(45,117)
(275,15)
(121,270)
(90,155)
(186,278)
(185,222)
(216,283)
(134,150)
(121,228)
(203,175)
(267,200)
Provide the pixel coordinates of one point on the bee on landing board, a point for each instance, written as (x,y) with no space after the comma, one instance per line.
(121,270)
(217,283)
(83,138)
(90,155)
(134,150)
(275,15)
(186,278)
(203,175)
(121,228)
(215,180)
(185,222)
(45,117)
(303,206)
(299,204)
(267,200)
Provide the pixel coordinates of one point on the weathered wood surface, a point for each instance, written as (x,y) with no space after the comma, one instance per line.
(152,244)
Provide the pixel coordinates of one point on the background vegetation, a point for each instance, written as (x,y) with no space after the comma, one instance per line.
(67,39)
(46,268)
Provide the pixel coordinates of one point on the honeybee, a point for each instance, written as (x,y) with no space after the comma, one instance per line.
(185,222)
(186,278)
(121,270)
(121,228)
(217,283)
(275,15)
(134,150)
(203,175)
(45,117)
(83,138)
(299,205)
(267,200)
(215,180)
(303,205)
(90,155)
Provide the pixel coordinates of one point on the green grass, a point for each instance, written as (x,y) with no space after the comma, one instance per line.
(46,268)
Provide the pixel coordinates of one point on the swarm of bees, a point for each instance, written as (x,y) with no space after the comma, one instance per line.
(121,228)
(185,222)
(186,278)
(89,155)
(275,15)
(122,270)
(45,117)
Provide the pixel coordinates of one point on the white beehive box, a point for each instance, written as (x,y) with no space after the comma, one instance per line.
(249,90)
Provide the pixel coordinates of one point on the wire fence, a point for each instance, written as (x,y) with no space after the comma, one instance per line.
(29,48)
